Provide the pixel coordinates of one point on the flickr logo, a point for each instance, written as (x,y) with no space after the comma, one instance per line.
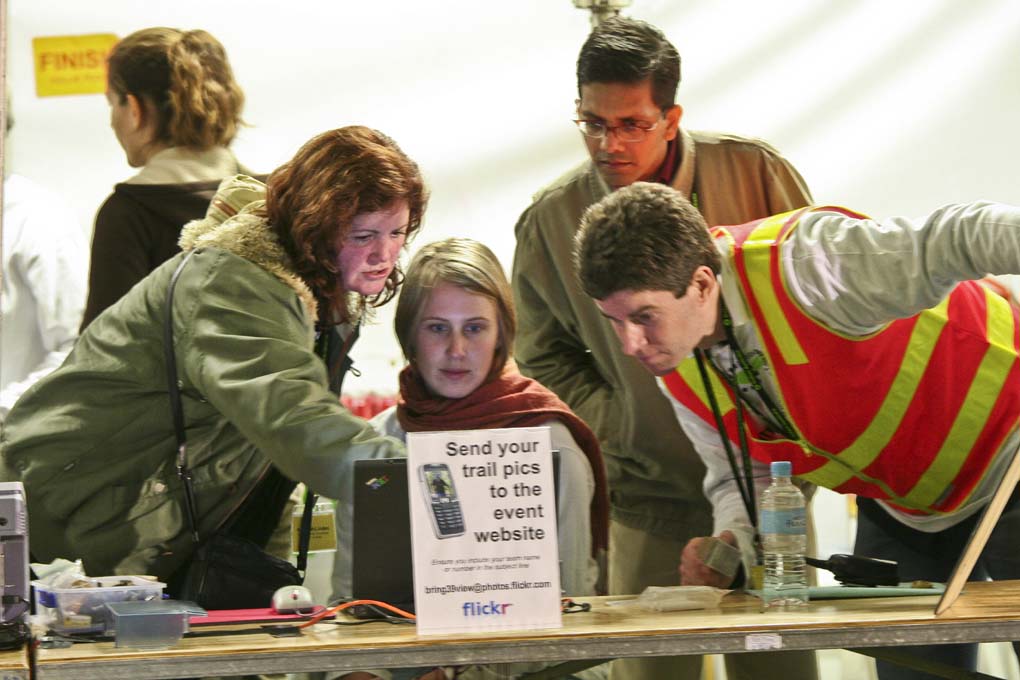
(490,608)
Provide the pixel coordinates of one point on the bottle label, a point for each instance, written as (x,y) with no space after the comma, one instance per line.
(322,537)
(792,521)
(756,581)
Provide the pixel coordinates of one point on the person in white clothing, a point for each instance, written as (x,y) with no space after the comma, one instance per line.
(44,276)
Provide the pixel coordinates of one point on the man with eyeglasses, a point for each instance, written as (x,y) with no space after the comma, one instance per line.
(627,77)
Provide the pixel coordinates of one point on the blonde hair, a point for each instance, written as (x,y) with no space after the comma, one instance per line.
(461,262)
(186,79)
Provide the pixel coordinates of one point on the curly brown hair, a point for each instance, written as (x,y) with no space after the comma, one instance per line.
(312,199)
(186,79)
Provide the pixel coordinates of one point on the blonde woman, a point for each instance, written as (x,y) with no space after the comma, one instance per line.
(456,324)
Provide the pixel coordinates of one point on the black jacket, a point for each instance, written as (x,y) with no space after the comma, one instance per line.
(136,230)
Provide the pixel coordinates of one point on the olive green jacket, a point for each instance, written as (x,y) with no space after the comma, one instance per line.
(564,342)
(94,443)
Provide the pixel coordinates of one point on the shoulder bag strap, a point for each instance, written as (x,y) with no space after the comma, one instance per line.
(305,532)
(183,471)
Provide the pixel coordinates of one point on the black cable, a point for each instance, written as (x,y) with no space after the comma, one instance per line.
(396,620)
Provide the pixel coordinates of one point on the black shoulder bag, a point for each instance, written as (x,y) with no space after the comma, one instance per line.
(225,571)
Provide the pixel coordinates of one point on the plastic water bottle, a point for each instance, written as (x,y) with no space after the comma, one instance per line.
(782,524)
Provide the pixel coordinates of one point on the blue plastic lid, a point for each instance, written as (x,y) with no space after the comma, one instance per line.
(780,468)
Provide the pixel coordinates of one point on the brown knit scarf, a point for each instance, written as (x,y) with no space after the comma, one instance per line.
(510,400)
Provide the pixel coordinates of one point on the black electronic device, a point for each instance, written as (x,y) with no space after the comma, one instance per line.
(853,570)
(381,542)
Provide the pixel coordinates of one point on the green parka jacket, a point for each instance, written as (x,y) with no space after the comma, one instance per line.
(94,443)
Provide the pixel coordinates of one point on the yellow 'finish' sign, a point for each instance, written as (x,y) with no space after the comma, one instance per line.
(71,64)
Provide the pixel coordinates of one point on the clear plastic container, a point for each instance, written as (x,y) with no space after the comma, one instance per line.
(782,523)
(152,624)
(83,609)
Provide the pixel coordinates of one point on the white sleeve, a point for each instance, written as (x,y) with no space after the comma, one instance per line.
(50,257)
(12,392)
(856,275)
(385,423)
(728,511)
(578,570)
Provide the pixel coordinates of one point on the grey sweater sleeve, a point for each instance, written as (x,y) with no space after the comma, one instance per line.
(856,275)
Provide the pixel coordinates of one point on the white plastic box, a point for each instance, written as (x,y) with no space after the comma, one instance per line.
(154,624)
(83,610)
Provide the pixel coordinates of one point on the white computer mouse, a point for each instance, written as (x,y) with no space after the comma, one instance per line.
(292,599)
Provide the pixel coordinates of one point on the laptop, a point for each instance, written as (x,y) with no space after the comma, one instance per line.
(381,563)
(381,567)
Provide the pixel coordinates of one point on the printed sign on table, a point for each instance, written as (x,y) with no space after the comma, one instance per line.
(483,526)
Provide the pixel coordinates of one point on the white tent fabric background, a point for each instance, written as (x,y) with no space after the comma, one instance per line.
(890,108)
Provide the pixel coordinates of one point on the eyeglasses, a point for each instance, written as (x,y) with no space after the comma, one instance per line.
(628,132)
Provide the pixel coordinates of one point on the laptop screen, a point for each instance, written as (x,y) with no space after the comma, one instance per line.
(381,538)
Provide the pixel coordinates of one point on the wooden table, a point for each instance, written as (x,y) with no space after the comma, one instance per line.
(14,665)
(986,612)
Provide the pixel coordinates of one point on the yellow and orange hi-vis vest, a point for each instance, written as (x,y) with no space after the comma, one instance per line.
(912,414)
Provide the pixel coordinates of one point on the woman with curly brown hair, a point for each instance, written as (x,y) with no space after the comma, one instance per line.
(269,292)
(175,108)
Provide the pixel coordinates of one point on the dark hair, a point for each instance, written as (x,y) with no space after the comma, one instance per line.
(625,50)
(645,236)
(312,199)
(464,263)
(185,78)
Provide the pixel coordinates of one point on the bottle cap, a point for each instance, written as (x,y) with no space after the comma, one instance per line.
(780,468)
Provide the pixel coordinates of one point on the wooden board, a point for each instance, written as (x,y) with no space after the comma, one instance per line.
(979,537)
(14,665)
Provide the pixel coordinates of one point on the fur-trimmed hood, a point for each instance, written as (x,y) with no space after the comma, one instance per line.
(234,222)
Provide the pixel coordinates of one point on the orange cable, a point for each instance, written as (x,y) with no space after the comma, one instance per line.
(340,607)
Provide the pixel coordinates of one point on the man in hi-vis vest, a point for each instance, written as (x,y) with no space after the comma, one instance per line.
(864,352)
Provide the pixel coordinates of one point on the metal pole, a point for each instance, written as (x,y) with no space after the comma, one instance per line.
(3,120)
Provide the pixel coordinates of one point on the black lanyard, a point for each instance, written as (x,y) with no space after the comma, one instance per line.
(744,478)
(745,481)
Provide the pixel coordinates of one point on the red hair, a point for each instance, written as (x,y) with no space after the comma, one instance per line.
(312,199)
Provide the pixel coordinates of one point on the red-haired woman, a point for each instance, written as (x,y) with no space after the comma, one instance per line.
(264,312)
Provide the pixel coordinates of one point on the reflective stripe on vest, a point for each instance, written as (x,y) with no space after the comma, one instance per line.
(923,404)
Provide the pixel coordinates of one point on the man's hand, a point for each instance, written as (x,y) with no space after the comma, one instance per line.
(694,571)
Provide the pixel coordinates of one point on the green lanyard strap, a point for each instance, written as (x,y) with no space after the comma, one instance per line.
(779,418)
